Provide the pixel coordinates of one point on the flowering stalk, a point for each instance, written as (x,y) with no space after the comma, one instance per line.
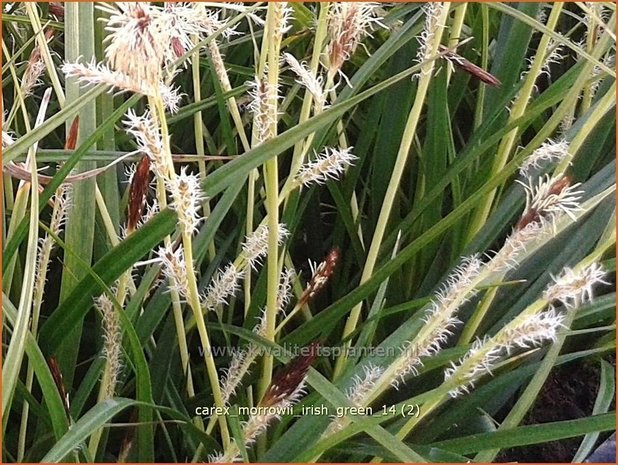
(524,332)
(112,351)
(139,46)
(146,131)
(276,23)
(242,361)
(546,202)
(531,328)
(436,18)
(320,275)
(357,394)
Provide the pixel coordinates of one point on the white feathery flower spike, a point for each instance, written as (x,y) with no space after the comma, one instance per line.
(554,56)
(363,384)
(574,287)
(139,39)
(112,342)
(283,18)
(529,331)
(171,97)
(93,73)
(224,285)
(175,269)
(147,134)
(261,107)
(525,332)
(507,258)
(284,292)
(433,11)
(549,151)
(329,164)
(440,319)
(255,246)
(285,389)
(187,199)
(550,197)
(308,80)
(241,361)
(361,387)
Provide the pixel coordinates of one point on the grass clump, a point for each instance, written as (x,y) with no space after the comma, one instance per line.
(370,229)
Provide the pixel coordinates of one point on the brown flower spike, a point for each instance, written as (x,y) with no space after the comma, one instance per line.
(469,67)
(321,275)
(137,193)
(287,384)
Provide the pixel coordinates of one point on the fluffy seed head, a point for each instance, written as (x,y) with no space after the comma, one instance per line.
(224,285)
(139,38)
(508,257)
(112,341)
(524,332)
(531,330)
(440,319)
(433,11)
(284,292)
(327,165)
(308,80)
(282,19)
(187,199)
(147,134)
(363,384)
(361,387)
(35,67)
(573,287)
(175,269)
(255,246)
(239,367)
(262,107)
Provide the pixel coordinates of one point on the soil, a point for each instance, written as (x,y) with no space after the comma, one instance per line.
(569,393)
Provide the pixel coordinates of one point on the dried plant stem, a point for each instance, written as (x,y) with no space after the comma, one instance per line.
(393,185)
(517,110)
